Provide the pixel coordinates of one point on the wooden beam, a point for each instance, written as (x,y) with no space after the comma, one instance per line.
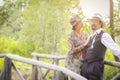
(116,77)
(2,55)
(18,72)
(112,63)
(46,73)
(48,56)
(111,17)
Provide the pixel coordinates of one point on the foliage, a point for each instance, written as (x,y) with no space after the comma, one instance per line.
(1,63)
(10,18)
(117,18)
(48,23)
(9,45)
(43,23)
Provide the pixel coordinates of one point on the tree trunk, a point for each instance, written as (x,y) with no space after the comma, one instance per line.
(112,24)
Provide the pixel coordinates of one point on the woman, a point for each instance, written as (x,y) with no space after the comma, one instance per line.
(77,39)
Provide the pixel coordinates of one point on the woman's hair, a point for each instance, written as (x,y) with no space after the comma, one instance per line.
(73,27)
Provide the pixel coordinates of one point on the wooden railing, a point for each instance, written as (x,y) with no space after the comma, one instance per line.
(6,72)
(56,60)
(37,69)
(37,65)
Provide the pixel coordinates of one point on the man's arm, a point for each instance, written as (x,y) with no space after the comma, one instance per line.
(110,44)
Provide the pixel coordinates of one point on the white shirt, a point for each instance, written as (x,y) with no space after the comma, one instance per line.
(108,42)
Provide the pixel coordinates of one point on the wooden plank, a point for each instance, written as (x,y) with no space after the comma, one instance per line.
(116,77)
(2,55)
(46,65)
(18,72)
(48,56)
(112,63)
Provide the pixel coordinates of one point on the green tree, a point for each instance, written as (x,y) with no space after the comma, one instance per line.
(10,18)
(46,24)
(117,21)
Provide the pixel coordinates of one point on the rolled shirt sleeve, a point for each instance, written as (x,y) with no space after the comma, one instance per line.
(110,44)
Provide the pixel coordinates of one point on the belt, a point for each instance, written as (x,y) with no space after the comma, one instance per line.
(93,60)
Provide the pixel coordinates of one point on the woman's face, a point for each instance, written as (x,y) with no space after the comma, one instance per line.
(79,25)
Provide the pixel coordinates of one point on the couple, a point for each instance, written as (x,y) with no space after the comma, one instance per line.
(86,55)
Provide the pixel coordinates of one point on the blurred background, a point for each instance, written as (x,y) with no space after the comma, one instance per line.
(43,26)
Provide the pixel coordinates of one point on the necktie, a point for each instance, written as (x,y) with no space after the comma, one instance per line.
(93,40)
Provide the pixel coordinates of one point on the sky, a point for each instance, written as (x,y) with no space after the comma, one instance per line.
(89,7)
(1,2)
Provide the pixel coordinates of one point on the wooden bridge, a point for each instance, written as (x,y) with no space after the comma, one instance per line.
(37,65)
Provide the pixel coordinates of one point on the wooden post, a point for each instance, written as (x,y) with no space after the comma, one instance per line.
(112,23)
(40,72)
(35,71)
(55,62)
(6,73)
(111,17)
(39,69)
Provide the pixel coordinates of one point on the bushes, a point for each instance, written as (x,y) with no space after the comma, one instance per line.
(1,63)
(63,46)
(22,48)
(10,45)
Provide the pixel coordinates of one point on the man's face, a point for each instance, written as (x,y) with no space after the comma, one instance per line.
(95,23)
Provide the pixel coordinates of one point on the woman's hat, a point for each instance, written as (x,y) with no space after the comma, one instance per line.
(74,20)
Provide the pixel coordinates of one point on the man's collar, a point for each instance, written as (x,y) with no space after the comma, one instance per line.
(98,31)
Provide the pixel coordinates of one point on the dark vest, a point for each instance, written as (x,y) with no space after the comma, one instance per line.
(97,52)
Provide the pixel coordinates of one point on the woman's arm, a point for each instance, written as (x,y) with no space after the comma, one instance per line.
(85,44)
(71,46)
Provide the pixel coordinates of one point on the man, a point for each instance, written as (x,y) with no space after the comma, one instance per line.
(93,64)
